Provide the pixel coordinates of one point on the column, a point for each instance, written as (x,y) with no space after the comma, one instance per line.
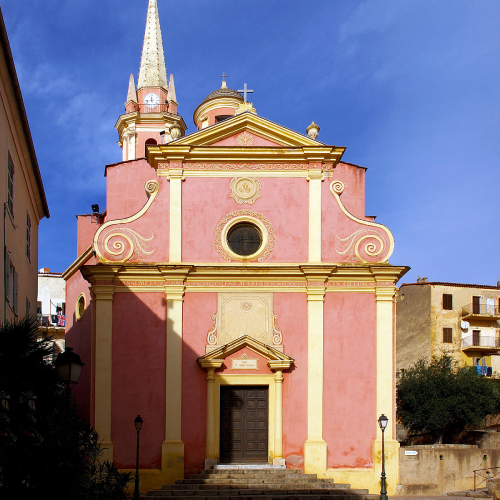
(278,419)
(386,397)
(173,447)
(315,178)
(210,456)
(175,237)
(103,366)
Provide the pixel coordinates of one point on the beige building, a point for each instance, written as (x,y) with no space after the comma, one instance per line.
(22,194)
(51,306)
(462,320)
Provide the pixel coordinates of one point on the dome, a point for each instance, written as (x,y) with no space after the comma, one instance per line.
(223,92)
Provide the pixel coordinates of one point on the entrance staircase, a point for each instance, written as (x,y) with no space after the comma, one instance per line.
(257,484)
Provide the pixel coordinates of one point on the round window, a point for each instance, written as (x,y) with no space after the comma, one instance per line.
(80,307)
(244,238)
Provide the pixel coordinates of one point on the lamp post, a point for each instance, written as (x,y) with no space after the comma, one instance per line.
(138,425)
(382,422)
(69,367)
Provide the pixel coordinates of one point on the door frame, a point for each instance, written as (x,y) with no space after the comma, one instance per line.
(262,380)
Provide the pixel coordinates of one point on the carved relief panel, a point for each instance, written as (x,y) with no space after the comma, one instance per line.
(239,314)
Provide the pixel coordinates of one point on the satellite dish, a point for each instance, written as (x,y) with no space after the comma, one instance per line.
(464,325)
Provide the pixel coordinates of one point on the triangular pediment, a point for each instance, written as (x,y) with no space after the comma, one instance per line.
(258,127)
(276,358)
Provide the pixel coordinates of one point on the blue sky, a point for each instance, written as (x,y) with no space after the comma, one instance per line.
(410,87)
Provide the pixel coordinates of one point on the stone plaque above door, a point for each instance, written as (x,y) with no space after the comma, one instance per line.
(240,313)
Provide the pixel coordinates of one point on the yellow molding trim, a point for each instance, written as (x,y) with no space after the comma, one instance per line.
(152,188)
(73,268)
(337,188)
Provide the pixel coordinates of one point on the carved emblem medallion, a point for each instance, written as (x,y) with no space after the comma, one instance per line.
(245,139)
(245,189)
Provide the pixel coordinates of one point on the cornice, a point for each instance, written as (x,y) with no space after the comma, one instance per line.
(73,268)
(143,277)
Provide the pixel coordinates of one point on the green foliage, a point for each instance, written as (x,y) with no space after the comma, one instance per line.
(440,399)
(46,449)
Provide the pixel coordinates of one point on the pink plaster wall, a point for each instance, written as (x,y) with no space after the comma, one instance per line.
(257,141)
(138,377)
(197,321)
(349,401)
(125,187)
(291,309)
(86,230)
(206,201)
(78,336)
(353,196)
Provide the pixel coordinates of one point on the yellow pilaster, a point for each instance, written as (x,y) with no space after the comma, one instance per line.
(385,387)
(175,238)
(103,366)
(173,447)
(315,178)
(210,450)
(278,415)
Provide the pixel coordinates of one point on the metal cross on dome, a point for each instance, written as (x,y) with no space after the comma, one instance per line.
(245,91)
(224,76)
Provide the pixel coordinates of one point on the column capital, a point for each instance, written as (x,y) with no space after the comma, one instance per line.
(278,365)
(103,292)
(385,293)
(208,364)
(175,293)
(315,174)
(317,273)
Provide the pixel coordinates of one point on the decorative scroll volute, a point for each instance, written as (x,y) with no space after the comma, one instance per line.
(117,242)
(360,240)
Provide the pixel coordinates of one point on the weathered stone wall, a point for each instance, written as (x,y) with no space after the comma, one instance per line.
(413,324)
(439,469)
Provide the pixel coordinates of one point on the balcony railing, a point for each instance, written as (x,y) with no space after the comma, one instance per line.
(485,310)
(481,341)
(148,108)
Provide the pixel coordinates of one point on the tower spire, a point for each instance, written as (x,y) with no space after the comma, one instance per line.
(152,72)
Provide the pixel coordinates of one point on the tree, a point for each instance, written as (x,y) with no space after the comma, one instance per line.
(440,399)
(46,448)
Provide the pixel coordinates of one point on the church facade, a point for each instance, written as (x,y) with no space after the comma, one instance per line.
(234,294)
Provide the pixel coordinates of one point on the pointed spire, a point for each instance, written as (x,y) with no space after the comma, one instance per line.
(171,90)
(153,72)
(132,94)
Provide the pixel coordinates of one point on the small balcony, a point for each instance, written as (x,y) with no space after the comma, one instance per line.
(151,108)
(481,311)
(483,343)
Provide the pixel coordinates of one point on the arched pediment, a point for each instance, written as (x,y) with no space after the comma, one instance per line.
(215,358)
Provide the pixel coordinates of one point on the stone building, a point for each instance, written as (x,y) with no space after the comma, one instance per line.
(459,319)
(22,194)
(234,294)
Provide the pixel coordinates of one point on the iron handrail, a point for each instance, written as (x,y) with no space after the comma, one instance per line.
(476,473)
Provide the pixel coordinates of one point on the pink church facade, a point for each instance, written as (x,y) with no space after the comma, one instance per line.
(234,294)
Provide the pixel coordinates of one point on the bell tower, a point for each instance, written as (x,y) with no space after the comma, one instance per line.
(151,109)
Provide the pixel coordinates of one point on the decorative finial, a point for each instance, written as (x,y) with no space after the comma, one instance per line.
(313,131)
(175,131)
(224,76)
(245,91)
(132,94)
(171,90)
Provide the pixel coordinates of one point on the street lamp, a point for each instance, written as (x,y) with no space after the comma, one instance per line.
(69,367)
(382,422)
(138,425)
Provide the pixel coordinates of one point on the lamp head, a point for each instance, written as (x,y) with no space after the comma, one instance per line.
(382,421)
(69,366)
(138,422)
(95,209)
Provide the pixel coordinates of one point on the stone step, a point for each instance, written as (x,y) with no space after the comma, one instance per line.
(251,485)
(250,474)
(252,471)
(255,480)
(348,495)
(257,491)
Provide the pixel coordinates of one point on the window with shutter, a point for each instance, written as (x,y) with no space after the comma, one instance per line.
(476,305)
(448,335)
(28,237)
(447,301)
(10,185)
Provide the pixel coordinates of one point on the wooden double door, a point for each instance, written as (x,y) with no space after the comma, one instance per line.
(244,424)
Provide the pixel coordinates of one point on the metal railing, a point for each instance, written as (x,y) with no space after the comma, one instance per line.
(148,108)
(484,309)
(478,473)
(480,341)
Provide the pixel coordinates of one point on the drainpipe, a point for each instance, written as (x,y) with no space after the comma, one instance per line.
(3,263)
